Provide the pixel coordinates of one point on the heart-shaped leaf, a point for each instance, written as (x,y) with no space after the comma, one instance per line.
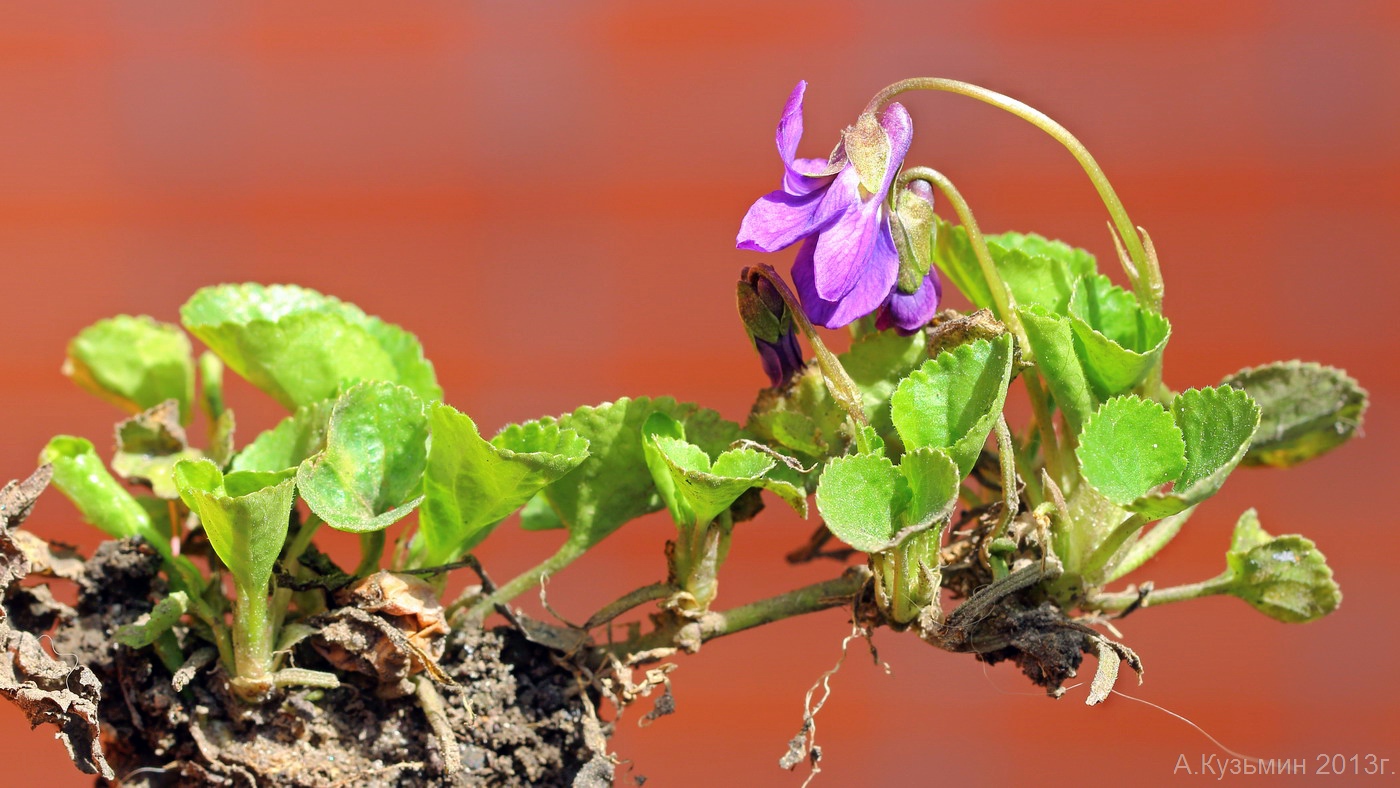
(952,401)
(1216,424)
(1038,271)
(1307,410)
(370,473)
(1119,343)
(300,346)
(613,485)
(1054,346)
(1130,447)
(1284,577)
(135,363)
(877,362)
(873,505)
(861,498)
(246,530)
(472,484)
(295,438)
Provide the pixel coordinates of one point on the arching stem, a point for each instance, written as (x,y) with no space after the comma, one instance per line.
(1143,270)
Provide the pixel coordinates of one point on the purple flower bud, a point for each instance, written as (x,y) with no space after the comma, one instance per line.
(770,326)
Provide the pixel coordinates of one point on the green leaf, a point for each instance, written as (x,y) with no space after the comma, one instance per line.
(1052,342)
(472,484)
(877,363)
(135,363)
(708,492)
(952,401)
(371,471)
(1129,447)
(661,425)
(1039,272)
(704,490)
(300,346)
(1119,343)
(295,438)
(103,502)
(933,479)
(162,617)
(861,498)
(614,484)
(1216,424)
(1307,410)
(247,530)
(952,253)
(801,419)
(1285,577)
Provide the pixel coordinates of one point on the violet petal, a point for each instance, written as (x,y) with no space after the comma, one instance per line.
(912,312)
(873,284)
(778,220)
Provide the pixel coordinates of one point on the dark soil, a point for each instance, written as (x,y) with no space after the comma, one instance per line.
(519,716)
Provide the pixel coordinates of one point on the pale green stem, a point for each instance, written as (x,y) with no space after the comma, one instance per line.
(252,637)
(1007,454)
(1002,299)
(842,388)
(371,550)
(282,597)
(809,599)
(1150,544)
(1144,271)
(1005,304)
(1109,546)
(1122,600)
(528,579)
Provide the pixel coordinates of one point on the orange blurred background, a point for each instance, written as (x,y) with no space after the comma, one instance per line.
(548,193)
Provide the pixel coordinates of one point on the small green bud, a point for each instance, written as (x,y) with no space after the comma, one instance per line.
(913,229)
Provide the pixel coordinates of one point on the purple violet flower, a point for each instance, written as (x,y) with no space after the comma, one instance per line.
(847,266)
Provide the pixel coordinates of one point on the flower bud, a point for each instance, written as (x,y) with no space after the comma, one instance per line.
(912,228)
(769,324)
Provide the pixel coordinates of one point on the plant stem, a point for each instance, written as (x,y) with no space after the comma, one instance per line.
(282,597)
(526,580)
(1122,600)
(1106,549)
(252,641)
(1002,299)
(371,550)
(1150,544)
(808,599)
(1005,304)
(1144,271)
(842,388)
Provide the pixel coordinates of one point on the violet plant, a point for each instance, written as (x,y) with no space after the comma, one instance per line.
(901,439)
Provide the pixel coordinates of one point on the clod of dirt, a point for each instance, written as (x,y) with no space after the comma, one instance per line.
(517,716)
(518,713)
(47,690)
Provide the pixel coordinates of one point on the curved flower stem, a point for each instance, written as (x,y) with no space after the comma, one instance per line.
(1005,304)
(1143,270)
(842,388)
(1002,298)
